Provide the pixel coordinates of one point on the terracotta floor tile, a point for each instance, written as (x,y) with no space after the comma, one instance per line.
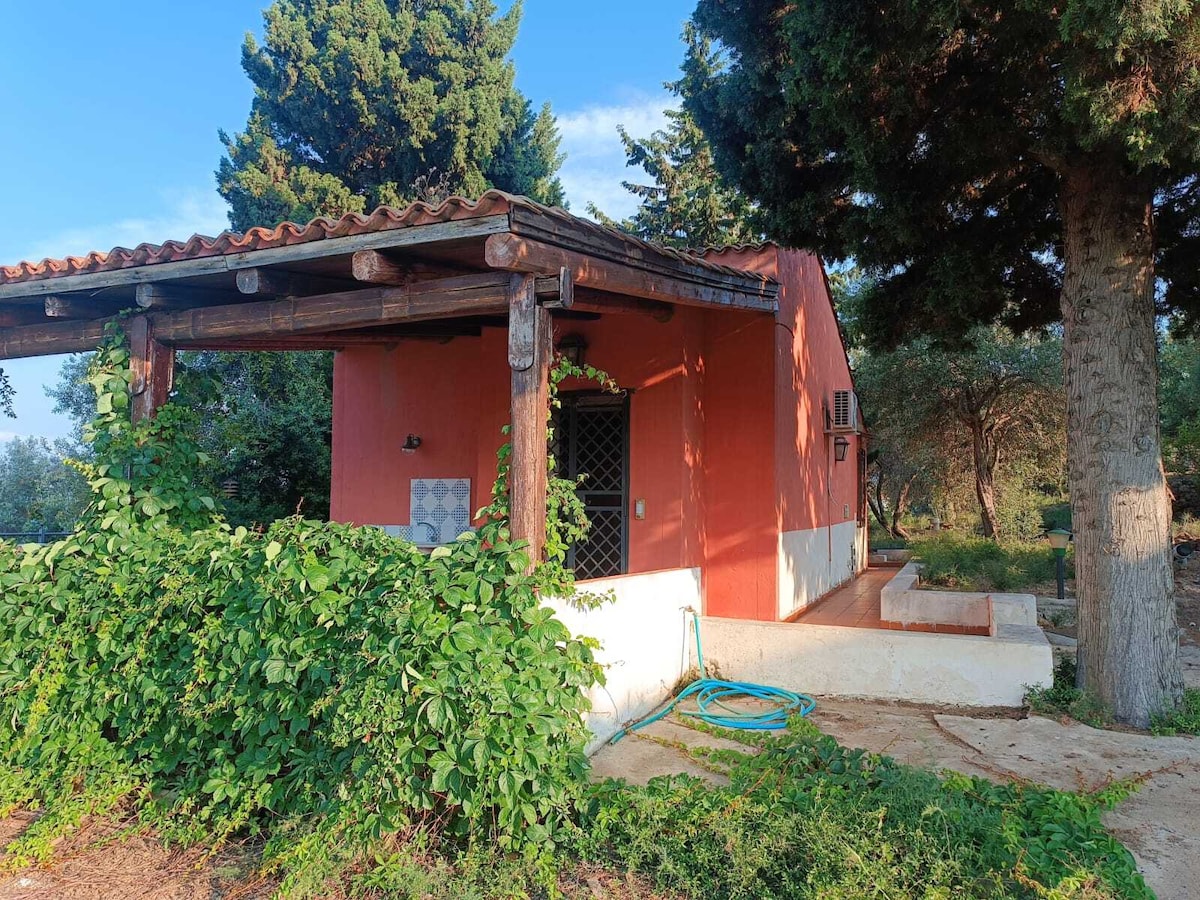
(857,606)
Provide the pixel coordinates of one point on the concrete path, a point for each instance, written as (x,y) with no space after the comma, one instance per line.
(1160,823)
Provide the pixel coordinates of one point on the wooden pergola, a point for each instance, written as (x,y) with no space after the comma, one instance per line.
(418,274)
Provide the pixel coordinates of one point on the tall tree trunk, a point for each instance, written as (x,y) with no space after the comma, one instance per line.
(899,507)
(875,501)
(985,457)
(1128,637)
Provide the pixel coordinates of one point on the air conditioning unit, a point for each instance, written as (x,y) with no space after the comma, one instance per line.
(844,416)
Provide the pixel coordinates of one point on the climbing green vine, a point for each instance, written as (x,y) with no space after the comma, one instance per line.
(317,684)
(566,520)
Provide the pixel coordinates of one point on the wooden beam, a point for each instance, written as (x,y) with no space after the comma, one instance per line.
(516,254)
(50,338)
(281,283)
(153,366)
(80,307)
(611,246)
(162,297)
(465,295)
(338,340)
(411,236)
(590,300)
(375,267)
(556,292)
(15,316)
(529,353)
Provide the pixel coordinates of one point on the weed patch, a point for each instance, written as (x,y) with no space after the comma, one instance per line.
(979,564)
(1063,698)
(805,817)
(1185,720)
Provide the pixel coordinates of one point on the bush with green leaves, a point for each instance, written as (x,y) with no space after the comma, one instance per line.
(803,816)
(320,684)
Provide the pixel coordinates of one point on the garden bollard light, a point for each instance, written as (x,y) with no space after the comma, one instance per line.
(1059,538)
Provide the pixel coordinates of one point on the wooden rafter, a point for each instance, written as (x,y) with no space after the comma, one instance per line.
(515,254)
(282,283)
(376,267)
(16,316)
(605,245)
(161,297)
(80,307)
(589,300)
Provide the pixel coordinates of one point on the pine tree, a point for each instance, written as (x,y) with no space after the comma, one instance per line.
(355,100)
(999,161)
(688,203)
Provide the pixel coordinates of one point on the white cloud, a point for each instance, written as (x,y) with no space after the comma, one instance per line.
(595,164)
(184,213)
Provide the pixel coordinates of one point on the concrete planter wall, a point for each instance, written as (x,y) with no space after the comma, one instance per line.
(902,600)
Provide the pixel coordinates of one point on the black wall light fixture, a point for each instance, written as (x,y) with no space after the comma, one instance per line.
(840,446)
(573,347)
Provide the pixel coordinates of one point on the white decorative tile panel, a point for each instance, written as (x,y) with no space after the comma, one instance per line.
(441,509)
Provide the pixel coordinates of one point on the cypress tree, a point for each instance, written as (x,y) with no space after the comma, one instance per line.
(357,101)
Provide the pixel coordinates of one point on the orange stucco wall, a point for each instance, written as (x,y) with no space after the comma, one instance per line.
(727,446)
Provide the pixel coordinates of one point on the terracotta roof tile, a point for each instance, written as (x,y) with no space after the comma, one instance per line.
(228,242)
(198,246)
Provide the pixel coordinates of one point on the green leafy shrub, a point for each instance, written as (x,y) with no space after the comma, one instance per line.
(1184,720)
(1064,698)
(805,817)
(322,684)
(979,564)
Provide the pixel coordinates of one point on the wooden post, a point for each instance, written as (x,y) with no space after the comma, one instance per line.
(529,352)
(153,367)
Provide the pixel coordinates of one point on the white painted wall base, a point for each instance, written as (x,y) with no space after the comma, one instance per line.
(644,638)
(815,561)
(878,664)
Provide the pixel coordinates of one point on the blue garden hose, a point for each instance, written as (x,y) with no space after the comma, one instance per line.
(711,695)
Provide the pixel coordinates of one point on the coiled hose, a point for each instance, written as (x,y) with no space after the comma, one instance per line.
(711,696)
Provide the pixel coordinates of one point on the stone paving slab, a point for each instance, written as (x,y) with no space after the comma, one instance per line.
(1160,823)
(637,759)
(1068,755)
(678,733)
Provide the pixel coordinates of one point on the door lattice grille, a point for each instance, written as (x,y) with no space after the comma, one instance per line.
(591,439)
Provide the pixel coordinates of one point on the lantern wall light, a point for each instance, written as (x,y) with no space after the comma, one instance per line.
(840,447)
(573,347)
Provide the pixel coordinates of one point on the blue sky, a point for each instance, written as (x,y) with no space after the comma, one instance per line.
(111,112)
